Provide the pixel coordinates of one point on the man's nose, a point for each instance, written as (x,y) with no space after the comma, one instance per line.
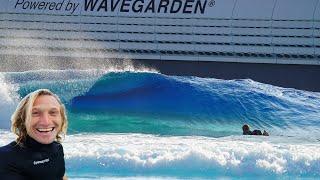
(44,118)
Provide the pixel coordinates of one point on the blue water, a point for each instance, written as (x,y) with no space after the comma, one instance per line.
(145,124)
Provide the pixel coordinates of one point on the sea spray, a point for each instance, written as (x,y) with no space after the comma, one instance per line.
(8,101)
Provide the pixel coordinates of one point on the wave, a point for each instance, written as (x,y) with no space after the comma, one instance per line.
(149,102)
(155,103)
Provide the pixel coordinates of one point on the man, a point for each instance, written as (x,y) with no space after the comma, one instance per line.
(246,131)
(39,122)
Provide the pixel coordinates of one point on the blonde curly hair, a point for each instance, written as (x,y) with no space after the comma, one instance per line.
(23,114)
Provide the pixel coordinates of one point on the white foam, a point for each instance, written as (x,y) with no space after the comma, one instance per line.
(8,101)
(148,153)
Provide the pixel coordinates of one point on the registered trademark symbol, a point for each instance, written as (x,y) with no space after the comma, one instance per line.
(212,3)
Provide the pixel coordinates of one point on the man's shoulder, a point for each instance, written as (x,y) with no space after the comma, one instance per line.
(9,148)
(9,166)
(7,152)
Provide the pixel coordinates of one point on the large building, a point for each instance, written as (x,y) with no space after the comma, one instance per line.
(271,41)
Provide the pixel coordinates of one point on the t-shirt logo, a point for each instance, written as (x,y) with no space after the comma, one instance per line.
(41,162)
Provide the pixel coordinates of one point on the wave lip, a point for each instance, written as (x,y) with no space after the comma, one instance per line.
(189,156)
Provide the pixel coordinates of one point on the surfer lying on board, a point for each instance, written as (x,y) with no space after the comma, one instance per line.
(246,131)
(39,122)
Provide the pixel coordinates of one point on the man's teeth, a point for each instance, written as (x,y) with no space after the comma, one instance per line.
(45,129)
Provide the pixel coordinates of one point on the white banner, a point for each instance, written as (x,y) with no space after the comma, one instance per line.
(111,7)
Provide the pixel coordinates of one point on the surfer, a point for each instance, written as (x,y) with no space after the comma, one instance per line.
(39,122)
(246,131)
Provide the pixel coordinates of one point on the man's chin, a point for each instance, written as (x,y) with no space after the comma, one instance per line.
(44,139)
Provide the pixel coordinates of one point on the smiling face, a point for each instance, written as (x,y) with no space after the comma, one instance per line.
(46,120)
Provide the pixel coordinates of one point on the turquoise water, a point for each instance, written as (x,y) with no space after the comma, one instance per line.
(147,125)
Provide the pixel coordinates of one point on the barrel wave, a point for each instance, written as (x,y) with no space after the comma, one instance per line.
(175,105)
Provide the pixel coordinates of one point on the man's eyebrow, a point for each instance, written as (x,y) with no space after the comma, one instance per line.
(41,108)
